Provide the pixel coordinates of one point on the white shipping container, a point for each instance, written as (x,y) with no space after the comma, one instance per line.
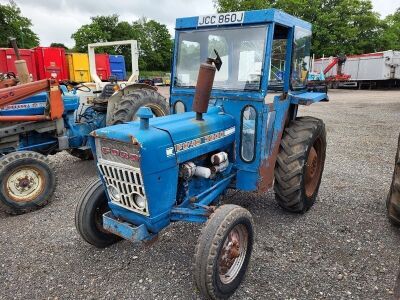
(369,67)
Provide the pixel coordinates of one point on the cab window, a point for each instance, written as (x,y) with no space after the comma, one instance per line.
(301,58)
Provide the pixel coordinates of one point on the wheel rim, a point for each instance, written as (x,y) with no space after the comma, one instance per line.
(25,184)
(313,168)
(233,253)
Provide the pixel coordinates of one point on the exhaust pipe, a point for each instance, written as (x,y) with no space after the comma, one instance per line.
(204,85)
(20,64)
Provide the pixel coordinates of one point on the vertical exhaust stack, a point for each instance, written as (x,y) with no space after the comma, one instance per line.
(20,64)
(204,85)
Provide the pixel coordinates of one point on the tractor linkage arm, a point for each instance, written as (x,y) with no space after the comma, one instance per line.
(14,94)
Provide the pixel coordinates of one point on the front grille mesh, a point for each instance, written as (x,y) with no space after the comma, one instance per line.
(129,183)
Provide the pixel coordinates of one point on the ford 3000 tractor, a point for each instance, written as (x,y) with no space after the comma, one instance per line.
(226,131)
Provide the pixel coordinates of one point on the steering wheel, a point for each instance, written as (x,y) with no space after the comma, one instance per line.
(83,88)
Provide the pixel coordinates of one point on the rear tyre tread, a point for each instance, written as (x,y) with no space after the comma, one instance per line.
(393,198)
(296,142)
(81,154)
(130,104)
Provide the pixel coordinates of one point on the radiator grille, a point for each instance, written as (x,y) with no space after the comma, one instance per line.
(127,181)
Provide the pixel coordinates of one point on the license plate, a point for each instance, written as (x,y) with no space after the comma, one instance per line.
(221,19)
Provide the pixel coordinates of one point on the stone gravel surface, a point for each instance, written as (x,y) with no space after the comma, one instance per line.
(343,248)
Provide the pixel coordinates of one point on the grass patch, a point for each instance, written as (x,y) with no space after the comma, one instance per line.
(152,73)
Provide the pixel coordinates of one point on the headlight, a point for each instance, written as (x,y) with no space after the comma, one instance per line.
(114,193)
(140,201)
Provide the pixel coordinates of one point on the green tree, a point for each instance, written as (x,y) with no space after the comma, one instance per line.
(59,45)
(13,24)
(153,38)
(391,34)
(340,26)
(99,30)
(155,45)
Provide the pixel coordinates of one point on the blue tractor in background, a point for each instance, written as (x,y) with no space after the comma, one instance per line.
(44,117)
(226,131)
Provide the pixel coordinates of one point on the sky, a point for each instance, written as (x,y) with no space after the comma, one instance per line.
(56,20)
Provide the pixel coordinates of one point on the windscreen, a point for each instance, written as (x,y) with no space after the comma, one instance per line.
(242,51)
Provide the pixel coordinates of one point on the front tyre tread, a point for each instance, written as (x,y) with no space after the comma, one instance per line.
(209,244)
(93,198)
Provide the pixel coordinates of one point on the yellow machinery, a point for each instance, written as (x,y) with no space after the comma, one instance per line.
(78,64)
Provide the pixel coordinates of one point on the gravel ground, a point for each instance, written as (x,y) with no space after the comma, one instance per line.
(343,247)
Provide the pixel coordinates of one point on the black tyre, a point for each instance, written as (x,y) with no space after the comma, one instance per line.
(393,198)
(130,104)
(27,182)
(89,216)
(83,154)
(223,252)
(300,163)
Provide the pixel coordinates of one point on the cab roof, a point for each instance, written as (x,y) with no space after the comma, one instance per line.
(251,17)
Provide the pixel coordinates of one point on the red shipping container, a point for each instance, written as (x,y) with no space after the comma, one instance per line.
(103,69)
(51,60)
(7,59)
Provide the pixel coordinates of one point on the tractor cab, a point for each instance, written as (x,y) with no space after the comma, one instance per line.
(262,52)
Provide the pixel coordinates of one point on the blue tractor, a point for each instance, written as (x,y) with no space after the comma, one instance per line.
(42,118)
(28,134)
(226,131)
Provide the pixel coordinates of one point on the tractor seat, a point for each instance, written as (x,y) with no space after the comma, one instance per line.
(107,91)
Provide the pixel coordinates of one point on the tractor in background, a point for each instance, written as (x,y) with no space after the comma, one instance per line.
(393,206)
(41,118)
(225,133)
(322,82)
(393,198)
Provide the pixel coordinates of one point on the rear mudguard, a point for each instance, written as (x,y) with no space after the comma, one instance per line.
(307,98)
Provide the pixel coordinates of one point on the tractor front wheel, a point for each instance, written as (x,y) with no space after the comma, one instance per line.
(130,104)
(223,252)
(27,182)
(89,216)
(300,164)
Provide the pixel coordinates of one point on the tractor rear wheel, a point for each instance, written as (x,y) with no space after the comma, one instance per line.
(83,154)
(130,104)
(27,182)
(300,164)
(393,198)
(89,216)
(223,252)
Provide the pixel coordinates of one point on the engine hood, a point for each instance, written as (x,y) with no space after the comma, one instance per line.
(175,138)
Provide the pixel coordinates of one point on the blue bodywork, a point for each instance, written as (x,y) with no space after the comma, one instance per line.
(46,142)
(171,141)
